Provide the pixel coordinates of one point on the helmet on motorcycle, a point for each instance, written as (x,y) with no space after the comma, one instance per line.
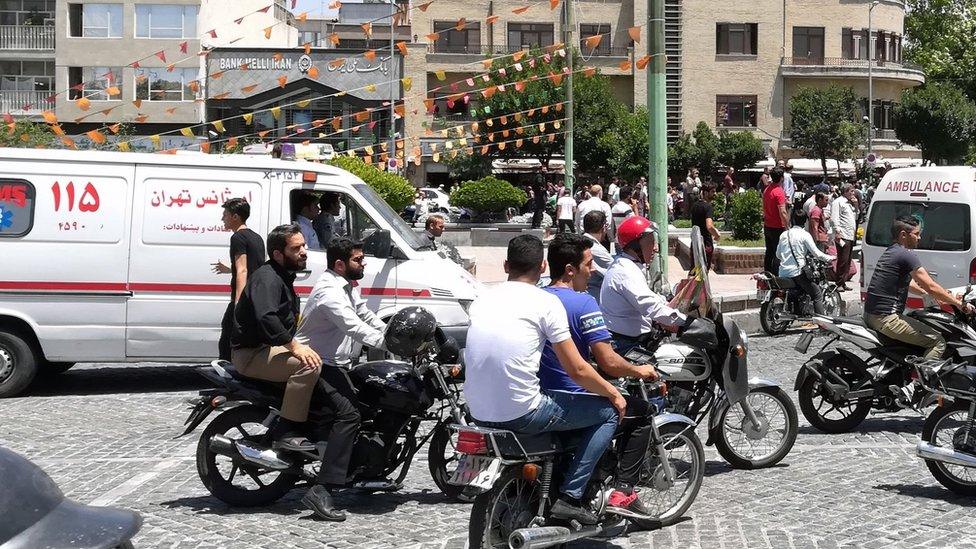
(633,228)
(410,331)
(38,515)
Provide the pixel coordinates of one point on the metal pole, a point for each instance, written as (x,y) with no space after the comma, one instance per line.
(870,90)
(393,83)
(570,45)
(657,165)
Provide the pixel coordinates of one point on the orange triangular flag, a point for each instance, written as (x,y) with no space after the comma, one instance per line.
(433,36)
(556,78)
(520,11)
(335,5)
(424,6)
(337,123)
(553,4)
(267,32)
(49,117)
(643,61)
(96,136)
(429,103)
(518,56)
(193,85)
(112,90)
(171,110)
(114,128)
(262,134)
(308,48)
(249,89)
(216,75)
(370,55)
(232,143)
(302,16)
(625,65)
(402,46)
(278,57)
(56,129)
(492,19)
(593,41)
(460,24)
(68,142)
(141,119)
(634,33)
(336,63)
(282,80)
(589,71)
(83,103)
(334,38)
(362,116)
(137,103)
(367,29)
(171,67)
(205,147)
(221,96)
(313,72)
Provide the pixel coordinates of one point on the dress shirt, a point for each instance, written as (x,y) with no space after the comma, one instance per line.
(308,231)
(792,262)
(843,218)
(601,262)
(789,187)
(336,322)
(591,204)
(629,305)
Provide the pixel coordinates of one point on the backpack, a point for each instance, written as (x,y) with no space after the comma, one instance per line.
(799,216)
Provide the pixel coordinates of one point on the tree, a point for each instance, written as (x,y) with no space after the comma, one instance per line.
(26,134)
(468,167)
(394,189)
(941,37)
(824,122)
(707,144)
(739,150)
(938,119)
(596,112)
(487,196)
(627,145)
(682,156)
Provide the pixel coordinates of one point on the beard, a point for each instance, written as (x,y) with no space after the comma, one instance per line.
(295,265)
(356,274)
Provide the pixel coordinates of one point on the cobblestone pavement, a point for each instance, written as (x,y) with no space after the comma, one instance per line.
(105,432)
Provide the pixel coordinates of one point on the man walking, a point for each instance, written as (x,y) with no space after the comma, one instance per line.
(593,203)
(565,213)
(701,217)
(775,218)
(246,255)
(595,229)
(816,222)
(843,216)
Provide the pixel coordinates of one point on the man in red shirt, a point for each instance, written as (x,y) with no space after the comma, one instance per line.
(816,224)
(774,219)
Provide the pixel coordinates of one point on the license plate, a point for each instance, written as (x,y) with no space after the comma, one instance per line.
(762,295)
(478,471)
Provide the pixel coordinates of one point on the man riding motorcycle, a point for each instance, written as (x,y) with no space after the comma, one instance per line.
(897,271)
(336,323)
(570,264)
(509,326)
(630,307)
(794,248)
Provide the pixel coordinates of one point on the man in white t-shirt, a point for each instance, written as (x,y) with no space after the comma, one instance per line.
(594,202)
(509,326)
(565,213)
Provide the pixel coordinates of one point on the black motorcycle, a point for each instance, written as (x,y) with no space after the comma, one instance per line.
(237,464)
(837,389)
(782,302)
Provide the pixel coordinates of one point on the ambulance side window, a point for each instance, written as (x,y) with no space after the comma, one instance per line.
(17,199)
(328,214)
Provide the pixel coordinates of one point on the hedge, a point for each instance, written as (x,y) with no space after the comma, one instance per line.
(394,189)
(747,215)
(488,195)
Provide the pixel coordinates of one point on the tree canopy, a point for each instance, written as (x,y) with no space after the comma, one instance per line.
(942,39)
(938,119)
(824,122)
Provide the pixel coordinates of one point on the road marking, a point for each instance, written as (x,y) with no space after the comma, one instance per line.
(131,485)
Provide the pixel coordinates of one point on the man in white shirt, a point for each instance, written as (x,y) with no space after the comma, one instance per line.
(789,186)
(630,307)
(336,323)
(795,245)
(843,220)
(509,326)
(594,228)
(613,191)
(593,203)
(308,209)
(565,213)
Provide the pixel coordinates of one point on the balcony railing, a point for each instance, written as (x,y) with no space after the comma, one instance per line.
(850,63)
(605,52)
(26,37)
(464,49)
(24,102)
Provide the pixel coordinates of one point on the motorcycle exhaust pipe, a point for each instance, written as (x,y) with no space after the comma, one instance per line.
(945,455)
(264,457)
(223,446)
(547,536)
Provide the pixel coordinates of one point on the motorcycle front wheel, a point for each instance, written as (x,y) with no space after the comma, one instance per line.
(946,427)
(746,445)
(768,317)
(668,501)
(442,460)
(510,504)
(231,479)
(832,303)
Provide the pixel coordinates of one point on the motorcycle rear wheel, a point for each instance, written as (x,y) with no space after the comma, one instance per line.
(509,505)
(765,401)
(218,472)
(767,320)
(687,457)
(851,414)
(832,302)
(939,430)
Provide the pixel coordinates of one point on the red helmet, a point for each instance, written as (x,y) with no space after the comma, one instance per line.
(633,228)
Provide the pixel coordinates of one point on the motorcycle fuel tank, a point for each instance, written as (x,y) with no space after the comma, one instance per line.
(390,385)
(680,362)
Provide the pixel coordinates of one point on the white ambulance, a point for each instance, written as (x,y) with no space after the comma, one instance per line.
(107,256)
(943,199)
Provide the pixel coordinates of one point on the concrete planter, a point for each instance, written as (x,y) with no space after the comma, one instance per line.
(725,259)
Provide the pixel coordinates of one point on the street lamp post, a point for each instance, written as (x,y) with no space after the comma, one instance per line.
(870,89)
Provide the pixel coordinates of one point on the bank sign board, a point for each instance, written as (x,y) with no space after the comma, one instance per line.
(258,71)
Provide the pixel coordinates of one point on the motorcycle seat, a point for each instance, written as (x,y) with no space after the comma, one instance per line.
(855,320)
(781,283)
(268,387)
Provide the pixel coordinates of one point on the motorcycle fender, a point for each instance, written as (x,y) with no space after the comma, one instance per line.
(812,366)
(203,408)
(663,419)
(713,418)
(756,382)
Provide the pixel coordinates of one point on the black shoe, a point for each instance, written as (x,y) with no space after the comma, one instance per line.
(293,443)
(320,502)
(564,510)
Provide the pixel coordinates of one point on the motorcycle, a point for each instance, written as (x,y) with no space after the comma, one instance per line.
(517,475)
(837,389)
(752,422)
(237,464)
(782,302)
(948,440)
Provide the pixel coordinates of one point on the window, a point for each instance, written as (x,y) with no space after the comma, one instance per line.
(94,82)
(26,75)
(95,20)
(587,30)
(16,207)
(451,40)
(854,45)
(738,111)
(521,35)
(945,227)
(162,85)
(27,12)
(394,221)
(166,21)
(308,37)
(808,43)
(736,38)
(884,113)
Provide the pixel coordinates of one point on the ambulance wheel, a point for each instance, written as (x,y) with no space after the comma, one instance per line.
(18,364)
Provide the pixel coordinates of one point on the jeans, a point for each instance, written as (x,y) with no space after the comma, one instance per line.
(566,225)
(226,330)
(623,343)
(813,290)
(844,261)
(593,416)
